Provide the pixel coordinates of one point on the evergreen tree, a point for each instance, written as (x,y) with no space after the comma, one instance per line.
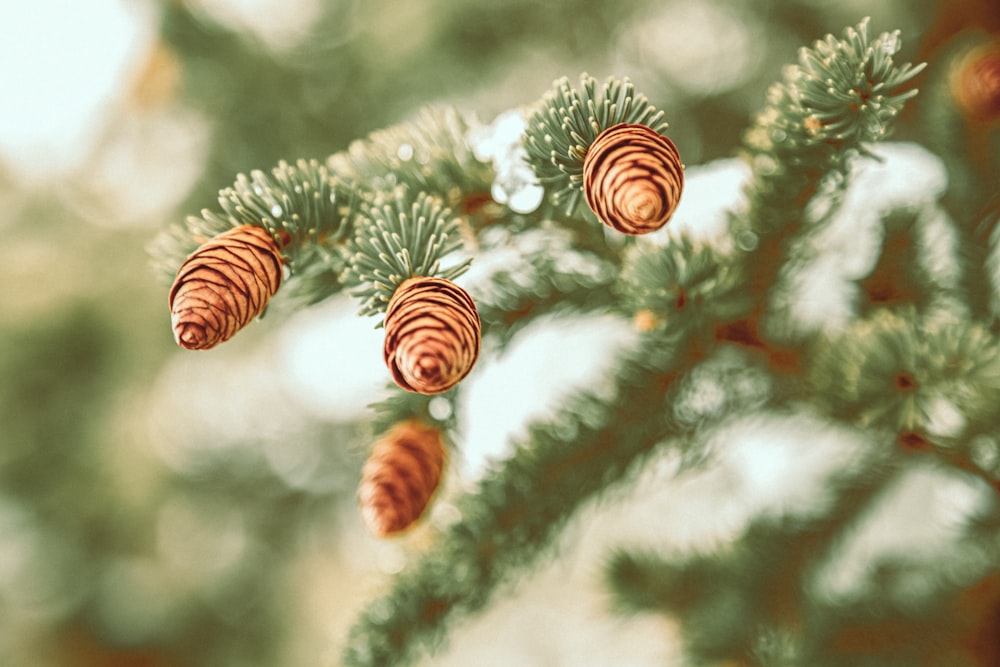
(584,190)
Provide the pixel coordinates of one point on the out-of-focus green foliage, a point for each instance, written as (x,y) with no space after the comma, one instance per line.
(112,553)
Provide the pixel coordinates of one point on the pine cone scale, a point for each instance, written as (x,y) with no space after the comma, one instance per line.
(219,290)
(212,300)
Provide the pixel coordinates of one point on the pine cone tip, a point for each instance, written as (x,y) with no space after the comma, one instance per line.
(381,518)
(189,335)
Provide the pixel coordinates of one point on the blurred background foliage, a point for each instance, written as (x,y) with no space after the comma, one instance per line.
(159,507)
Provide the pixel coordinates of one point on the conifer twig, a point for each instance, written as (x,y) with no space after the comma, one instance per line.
(519,507)
(401,235)
(301,204)
(568,121)
(841,96)
(510,520)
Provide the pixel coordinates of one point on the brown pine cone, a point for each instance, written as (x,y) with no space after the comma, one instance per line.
(432,335)
(223,285)
(976,83)
(632,178)
(400,477)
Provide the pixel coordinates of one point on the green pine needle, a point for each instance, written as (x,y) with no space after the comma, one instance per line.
(842,94)
(682,283)
(306,210)
(904,372)
(428,153)
(526,273)
(401,236)
(850,85)
(301,200)
(568,121)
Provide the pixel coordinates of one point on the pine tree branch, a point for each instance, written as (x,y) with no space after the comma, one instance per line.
(518,508)
(933,380)
(826,110)
(302,205)
(521,275)
(594,443)
(429,153)
(401,235)
(840,97)
(567,121)
(764,575)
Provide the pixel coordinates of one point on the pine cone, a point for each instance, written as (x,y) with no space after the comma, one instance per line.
(976,83)
(632,178)
(400,476)
(223,285)
(432,335)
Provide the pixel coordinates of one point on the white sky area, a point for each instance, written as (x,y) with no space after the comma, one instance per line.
(717,53)
(64,63)
(61,62)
